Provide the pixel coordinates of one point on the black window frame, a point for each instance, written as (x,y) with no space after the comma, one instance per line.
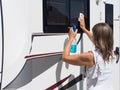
(64,28)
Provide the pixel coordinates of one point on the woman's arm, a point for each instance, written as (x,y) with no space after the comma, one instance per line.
(66,51)
(82,25)
(78,59)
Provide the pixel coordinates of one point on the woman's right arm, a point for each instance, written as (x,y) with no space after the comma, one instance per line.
(82,25)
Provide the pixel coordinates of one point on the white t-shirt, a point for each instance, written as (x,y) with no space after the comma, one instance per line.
(99,77)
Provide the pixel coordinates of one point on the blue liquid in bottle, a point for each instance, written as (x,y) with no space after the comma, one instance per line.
(73,48)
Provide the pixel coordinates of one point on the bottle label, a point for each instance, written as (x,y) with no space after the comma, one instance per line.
(73,48)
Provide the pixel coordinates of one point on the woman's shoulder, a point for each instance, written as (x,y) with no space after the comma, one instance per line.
(91,59)
(94,55)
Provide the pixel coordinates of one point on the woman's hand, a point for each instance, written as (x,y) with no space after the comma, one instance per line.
(82,25)
(82,22)
(72,34)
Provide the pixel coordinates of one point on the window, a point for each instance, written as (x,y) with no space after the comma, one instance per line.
(109,14)
(58,15)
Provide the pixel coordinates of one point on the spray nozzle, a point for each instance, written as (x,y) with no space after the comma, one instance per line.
(74,27)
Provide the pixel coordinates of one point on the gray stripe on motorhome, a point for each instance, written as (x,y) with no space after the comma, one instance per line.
(32,69)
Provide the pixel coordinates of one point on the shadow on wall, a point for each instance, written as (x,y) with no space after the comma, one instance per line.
(68,86)
(58,75)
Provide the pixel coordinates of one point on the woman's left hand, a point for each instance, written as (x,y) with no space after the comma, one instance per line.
(72,34)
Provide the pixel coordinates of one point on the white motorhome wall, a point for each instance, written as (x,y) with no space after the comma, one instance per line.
(56,71)
(17,33)
(0,45)
(36,9)
(17,37)
(116,73)
(24,19)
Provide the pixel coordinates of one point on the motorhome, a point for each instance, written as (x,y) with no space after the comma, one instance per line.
(33,34)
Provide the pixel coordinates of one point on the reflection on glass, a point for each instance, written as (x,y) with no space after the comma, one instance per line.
(77,6)
(57,12)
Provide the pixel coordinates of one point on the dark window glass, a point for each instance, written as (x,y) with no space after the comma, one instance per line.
(109,14)
(57,12)
(76,4)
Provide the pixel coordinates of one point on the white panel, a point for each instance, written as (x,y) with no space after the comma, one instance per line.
(0,45)
(94,13)
(17,37)
(36,9)
(48,44)
(116,74)
(116,9)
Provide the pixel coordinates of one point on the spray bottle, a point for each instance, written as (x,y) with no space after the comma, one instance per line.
(73,48)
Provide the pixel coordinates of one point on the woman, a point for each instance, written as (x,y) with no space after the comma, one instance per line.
(99,61)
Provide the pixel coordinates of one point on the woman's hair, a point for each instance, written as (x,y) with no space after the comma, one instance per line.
(103,39)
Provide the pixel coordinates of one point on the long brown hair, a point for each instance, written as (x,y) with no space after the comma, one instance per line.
(103,39)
